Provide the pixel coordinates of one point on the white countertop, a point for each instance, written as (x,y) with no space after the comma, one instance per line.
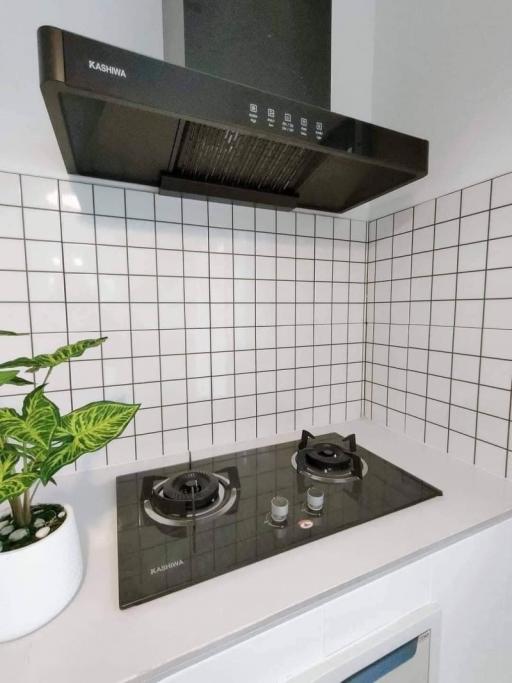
(93,640)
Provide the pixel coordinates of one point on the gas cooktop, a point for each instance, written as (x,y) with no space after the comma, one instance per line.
(181,525)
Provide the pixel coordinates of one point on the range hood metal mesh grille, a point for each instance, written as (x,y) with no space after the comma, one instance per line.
(231,158)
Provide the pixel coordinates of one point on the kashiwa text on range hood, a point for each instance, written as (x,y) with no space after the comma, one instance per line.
(128,117)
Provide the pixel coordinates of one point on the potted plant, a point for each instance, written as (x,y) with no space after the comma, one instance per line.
(40,556)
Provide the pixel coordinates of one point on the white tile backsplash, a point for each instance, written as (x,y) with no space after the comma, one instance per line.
(228,322)
(438,358)
(259,345)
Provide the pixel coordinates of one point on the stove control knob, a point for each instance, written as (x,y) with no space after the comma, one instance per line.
(279,509)
(315,499)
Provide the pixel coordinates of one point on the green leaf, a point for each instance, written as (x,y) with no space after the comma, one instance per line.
(50,360)
(20,382)
(9,456)
(37,422)
(11,377)
(8,333)
(85,430)
(16,485)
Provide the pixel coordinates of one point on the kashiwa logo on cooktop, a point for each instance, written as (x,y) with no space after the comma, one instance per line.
(166,567)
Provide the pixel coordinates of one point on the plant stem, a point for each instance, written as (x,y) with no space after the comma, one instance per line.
(47,375)
(34,490)
(17,511)
(26,514)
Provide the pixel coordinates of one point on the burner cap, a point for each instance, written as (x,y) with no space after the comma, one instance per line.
(186,492)
(327,456)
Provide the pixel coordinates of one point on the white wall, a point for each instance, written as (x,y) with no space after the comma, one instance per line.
(353,26)
(27,142)
(443,71)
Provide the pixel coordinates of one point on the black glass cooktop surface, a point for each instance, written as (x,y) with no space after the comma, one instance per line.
(181,525)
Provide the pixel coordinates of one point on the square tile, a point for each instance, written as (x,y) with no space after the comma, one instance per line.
(12,255)
(306,224)
(170,289)
(141,261)
(79,287)
(141,233)
(168,208)
(285,222)
(174,392)
(220,240)
(243,217)
(40,255)
(200,437)
(81,258)
(200,413)
(472,256)
(424,214)
(143,289)
(140,204)
(115,316)
(446,234)
(109,201)
(40,193)
(223,386)
(169,262)
(110,259)
(169,236)
(110,230)
(220,214)
(10,189)
(42,224)
(11,222)
(45,286)
(476,198)
(244,242)
(144,316)
(500,253)
(474,228)
(500,222)
(77,227)
(82,317)
(448,207)
(75,196)
(199,389)
(113,288)
(502,190)
(195,211)
(221,265)
(146,343)
(265,219)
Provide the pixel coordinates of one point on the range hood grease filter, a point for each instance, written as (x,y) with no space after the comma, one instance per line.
(127,117)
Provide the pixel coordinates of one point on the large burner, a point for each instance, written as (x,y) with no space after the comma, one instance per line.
(190,496)
(187,492)
(327,457)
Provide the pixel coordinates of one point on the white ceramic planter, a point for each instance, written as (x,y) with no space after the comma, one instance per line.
(39,580)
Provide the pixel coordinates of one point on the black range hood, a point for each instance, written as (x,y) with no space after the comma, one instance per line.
(127,117)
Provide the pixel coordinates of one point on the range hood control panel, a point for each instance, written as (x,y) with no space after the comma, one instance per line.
(286,121)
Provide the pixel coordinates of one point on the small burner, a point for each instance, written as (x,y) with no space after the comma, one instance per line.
(327,457)
(329,462)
